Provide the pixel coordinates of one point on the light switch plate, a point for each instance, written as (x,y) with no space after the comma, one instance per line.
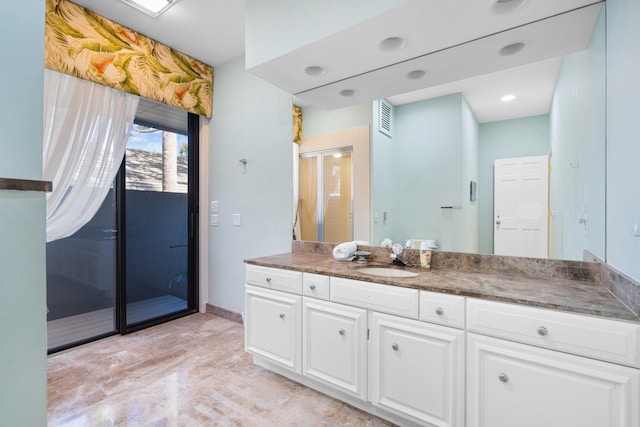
(214,206)
(236,219)
(214,220)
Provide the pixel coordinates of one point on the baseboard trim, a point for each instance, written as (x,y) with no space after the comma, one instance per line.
(224,313)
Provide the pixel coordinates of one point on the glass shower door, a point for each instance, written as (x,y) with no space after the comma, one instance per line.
(326,196)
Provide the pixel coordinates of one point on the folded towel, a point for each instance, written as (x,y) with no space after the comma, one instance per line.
(345,251)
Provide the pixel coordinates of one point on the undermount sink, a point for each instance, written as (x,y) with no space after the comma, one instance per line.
(387,272)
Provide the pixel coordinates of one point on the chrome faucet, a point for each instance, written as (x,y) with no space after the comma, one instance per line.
(397,250)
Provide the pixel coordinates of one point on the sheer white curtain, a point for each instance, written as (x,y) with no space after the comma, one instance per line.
(86,128)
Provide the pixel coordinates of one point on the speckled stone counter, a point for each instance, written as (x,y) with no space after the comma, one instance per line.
(585,297)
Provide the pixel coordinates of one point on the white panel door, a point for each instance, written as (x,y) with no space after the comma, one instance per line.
(511,384)
(273,327)
(521,206)
(335,345)
(417,370)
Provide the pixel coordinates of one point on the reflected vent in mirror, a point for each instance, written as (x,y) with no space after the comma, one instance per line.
(385,117)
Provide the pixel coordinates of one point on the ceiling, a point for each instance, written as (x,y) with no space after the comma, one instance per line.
(213,32)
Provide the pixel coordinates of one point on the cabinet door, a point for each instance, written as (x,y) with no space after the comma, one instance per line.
(417,370)
(513,384)
(335,345)
(272,326)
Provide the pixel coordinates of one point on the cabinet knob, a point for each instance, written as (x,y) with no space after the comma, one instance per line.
(341,331)
(439,311)
(282,315)
(268,279)
(312,287)
(503,377)
(542,331)
(395,347)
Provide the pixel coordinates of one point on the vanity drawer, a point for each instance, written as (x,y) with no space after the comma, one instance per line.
(603,339)
(274,278)
(382,298)
(442,309)
(315,285)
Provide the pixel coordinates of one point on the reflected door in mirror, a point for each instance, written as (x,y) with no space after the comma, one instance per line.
(326,201)
(521,206)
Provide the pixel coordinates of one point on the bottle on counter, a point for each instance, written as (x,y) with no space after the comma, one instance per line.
(425,255)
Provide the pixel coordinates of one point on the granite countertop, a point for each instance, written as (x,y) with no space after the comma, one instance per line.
(568,295)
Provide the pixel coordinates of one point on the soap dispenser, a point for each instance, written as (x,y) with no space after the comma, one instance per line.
(425,255)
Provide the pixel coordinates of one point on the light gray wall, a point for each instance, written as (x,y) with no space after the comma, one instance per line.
(251,119)
(383,181)
(577,181)
(23,399)
(623,132)
(428,161)
(317,121)
(467,226)
(504,139)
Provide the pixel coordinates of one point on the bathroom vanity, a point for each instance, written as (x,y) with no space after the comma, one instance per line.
(447,347)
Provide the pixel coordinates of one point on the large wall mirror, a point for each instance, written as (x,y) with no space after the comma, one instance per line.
(433,177)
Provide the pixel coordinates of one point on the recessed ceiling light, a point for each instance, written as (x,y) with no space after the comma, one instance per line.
(512,49)
(348,92)
(506,6)
(508,98)
(391,43)
(151,7)
(416,74)
(337,155)
(314,70)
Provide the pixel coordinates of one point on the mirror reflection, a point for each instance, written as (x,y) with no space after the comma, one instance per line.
(488,180)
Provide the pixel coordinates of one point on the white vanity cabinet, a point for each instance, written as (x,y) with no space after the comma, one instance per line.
(515,383)
(420,358)
(273,327)
(334,342)
(417,370)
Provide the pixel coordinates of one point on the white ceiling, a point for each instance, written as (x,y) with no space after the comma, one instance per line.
(213,32)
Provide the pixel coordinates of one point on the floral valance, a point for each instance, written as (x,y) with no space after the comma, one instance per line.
(84,44)
(297,124)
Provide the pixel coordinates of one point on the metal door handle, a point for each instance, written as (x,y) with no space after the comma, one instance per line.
(341,331)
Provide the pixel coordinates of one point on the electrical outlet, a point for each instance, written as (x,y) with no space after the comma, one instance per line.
(214,206)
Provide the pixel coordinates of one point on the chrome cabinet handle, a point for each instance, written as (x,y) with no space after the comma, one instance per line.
(282,315)
(542,331)
(341,331)
(268,279)
(503,377)
(439,311)
(395,347)
(312,287)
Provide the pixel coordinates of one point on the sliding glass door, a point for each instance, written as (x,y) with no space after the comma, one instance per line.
(82,279)
(135,263)
(157,224)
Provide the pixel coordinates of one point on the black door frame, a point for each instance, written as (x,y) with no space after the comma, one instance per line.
(193,136)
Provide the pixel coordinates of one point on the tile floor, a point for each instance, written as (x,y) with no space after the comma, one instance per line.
(189,372)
